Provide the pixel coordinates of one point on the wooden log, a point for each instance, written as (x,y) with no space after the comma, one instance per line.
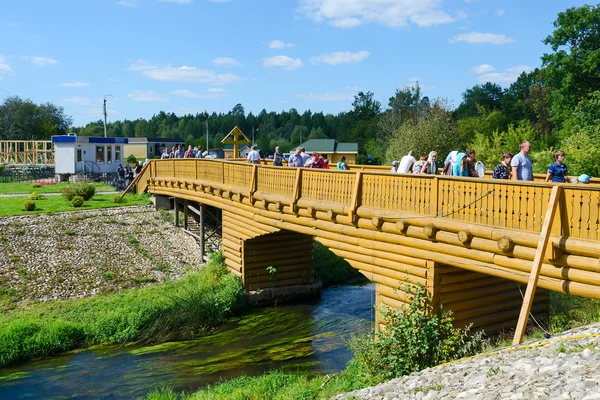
(465,237)
(402,226)
(430,230)
(409,270)
(506,244)
(384,273)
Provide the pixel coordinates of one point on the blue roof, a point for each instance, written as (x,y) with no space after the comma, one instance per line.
(88,139)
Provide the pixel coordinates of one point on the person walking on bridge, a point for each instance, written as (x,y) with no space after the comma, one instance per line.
(521,164)
(407,162)
(254,155)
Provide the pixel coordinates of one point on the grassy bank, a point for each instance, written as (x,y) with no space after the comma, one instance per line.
(28,187)
(10,206)
(275,386)
(173,311)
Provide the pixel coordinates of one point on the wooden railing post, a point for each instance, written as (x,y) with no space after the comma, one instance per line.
(297,189)
(434,198)
(356,193)
(173,165)
(537,264)
(254,181)
(223,172)
(196,161)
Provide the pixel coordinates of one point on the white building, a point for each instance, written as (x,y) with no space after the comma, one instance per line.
(98,155)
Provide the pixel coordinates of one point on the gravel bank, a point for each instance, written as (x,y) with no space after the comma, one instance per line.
(81,254)
(563,367)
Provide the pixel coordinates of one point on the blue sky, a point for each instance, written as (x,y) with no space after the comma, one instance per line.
(188,56)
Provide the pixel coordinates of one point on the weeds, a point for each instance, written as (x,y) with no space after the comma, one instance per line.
(414,338)
(492,371)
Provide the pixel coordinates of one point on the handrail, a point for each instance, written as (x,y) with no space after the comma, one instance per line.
(497,203)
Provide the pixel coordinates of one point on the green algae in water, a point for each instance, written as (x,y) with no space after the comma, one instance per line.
(15,376)
(159,348)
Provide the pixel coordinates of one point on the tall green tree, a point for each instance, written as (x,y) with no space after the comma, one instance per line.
(572,69)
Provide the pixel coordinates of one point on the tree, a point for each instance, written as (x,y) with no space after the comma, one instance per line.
(365,107)
(488,95)
(572,69)
(435,131)
(24,120)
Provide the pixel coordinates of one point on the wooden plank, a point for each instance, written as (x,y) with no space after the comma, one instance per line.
(537,264)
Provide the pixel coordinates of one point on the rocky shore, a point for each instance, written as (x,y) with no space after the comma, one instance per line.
(81,254)
(565,366)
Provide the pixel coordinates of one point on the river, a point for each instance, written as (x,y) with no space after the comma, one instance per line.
(306,337)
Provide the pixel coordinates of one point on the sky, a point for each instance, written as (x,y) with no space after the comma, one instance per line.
(190,56)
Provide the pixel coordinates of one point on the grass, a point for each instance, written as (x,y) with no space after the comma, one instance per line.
(28,188)
(52,204)
(176,310)
(274,385)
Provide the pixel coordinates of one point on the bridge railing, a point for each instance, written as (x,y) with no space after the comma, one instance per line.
(506,204)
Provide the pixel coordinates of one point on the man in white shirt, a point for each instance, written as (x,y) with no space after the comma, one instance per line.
(407,162)
(253,156)
(305,157)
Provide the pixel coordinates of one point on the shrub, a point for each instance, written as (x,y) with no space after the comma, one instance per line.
(69,192)
(132,160)
(35,196)
(77,201)
(415,337)
(86,191)
(36,185)
(117,198)
(29,205)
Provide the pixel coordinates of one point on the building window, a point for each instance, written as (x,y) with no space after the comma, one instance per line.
(108,154)
(79,155)
(99,154)
(117,153)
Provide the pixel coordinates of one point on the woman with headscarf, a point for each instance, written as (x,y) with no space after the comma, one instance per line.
(430,167)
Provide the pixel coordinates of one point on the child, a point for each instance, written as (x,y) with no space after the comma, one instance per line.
(558,170)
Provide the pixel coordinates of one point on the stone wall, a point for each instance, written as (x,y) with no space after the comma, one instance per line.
(81,254)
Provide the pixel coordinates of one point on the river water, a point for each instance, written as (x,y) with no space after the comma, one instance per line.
(306,337)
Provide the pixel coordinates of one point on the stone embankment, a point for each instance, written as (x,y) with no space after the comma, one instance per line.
(567,366)
(81,254)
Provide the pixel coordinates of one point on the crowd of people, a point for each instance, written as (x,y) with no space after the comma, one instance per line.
(514,167)
(299,159)
(178,152)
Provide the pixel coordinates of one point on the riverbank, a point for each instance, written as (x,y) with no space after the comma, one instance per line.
(85,253)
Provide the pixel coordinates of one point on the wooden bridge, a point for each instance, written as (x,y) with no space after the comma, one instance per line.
(471,242)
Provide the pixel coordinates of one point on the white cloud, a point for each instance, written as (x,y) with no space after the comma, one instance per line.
(333,96)
(509,75)
(211,93)
(146,96)
(182,74)
(74,84)
(5,69)
(177,1)
(392,13)
(40,61)
(483,69)
(500,12)
(340,57)
(80,101)
(481,38)
(278,44)
(353,88)
(219,1)
(128,3)
(226,62)
(285,62)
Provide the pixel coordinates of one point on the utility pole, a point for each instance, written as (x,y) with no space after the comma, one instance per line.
(206,124)
(252,144)
(105,96)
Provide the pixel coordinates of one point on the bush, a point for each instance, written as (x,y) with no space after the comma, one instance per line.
(86,191)
(132,160)
(29,205)
(77,201)
(35,196)
(36,185)
(69,192)
(414,338)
